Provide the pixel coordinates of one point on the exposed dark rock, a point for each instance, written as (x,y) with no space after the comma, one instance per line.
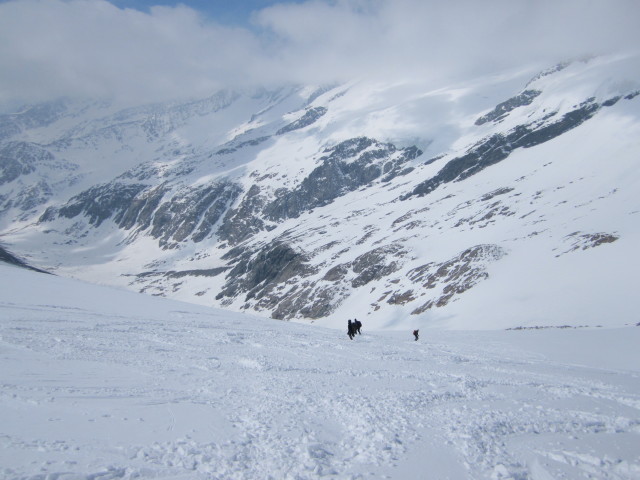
(320,91)
(310,116)
(28,198)
(487,215)
(502,109)
(596,239)
(349,148)
(346,167)
(376,264)
(433,159)
(401,298)
(140,211)
(276,264)
(150,172)
(257,274)
(243,221)
(307,302)
(207,272)
(190,212)
(550,71)
(336,273)
(454,276)
(9,258)
(407,216)
(495,193)
(21,158)
(611,102)
(274,279)
(584,241)
(340,173)
(99,203)
(325,247)
(498,147)
(233,147)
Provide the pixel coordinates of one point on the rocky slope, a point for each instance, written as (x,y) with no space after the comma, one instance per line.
(398,205)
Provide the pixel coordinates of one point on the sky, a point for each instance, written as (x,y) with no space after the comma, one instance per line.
(228,12)
(137,50)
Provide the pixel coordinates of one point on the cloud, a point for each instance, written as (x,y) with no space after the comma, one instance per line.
(458,37)
(50,48)
(92,48)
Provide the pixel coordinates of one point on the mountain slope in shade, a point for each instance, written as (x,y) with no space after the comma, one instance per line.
(8,258)
(505,201)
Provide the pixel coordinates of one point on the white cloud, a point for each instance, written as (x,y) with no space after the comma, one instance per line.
(423,37)
(90,47)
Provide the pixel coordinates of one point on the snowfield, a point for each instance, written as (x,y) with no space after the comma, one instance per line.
(101,384)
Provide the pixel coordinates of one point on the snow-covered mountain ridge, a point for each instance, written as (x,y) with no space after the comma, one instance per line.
(476,205)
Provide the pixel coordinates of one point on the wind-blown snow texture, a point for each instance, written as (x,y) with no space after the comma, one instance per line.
(99,383)
(504,201)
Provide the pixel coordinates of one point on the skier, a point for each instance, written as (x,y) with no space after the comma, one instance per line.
(350,329)
(415,334)
(357,325)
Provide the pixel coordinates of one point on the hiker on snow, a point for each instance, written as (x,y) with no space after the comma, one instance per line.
(351,331)
(415,334)
(357,325)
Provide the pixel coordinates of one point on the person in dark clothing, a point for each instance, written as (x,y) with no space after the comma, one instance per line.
(415,334)
(350,329)
(357,326)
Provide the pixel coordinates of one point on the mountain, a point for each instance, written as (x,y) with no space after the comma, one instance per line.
(504,201)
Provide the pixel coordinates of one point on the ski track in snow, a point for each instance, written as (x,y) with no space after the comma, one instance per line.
(87,395)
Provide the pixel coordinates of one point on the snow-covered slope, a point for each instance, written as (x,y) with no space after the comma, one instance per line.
(99,383)
(509,200)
